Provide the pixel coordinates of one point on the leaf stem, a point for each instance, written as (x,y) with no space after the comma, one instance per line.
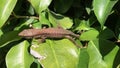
(17,16)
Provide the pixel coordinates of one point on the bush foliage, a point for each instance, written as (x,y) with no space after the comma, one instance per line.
(97,22)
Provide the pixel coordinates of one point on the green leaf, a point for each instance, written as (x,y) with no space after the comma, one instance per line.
(6,8)
(35,4)
(40,5)
(44,4)
(109,51)
(106,49)
(8,37)
(1,33)
(43,18)
(95,58)
(31,10)
(56,53)
(83,58)
(104,34)
(110,57)
(102,9)
(59,20)
(24,24)
(18,56)
(61,6)
(82,25)
(89,35)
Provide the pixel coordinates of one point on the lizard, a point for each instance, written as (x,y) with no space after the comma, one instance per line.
(48,33)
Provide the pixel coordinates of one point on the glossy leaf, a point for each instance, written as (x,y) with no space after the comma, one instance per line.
(89,35)
(95,60)
(43,18)
(35,4)
(44,4)
(8,37)
(102,53)
(6,7)
(108,50)
(83,58)
(111,55)
(18,56)
(40,5)
(102,9)
(82,25)
(56,54)
(59,20)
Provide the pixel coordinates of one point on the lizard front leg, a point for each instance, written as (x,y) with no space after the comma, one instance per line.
(41,39)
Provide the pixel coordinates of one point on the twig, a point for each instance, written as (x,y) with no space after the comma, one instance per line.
(17,16)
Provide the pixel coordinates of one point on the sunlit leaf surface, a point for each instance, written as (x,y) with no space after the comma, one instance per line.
(19,57)
(6,8)
(102,9)
(56,54)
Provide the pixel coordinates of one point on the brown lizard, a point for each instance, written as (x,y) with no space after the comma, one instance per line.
(48,33)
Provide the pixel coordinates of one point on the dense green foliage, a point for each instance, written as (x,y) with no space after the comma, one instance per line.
(97,22)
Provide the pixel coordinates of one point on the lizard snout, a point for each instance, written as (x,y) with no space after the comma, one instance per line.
(22,33)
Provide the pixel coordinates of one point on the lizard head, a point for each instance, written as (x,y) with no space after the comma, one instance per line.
(30,33)
(26,33)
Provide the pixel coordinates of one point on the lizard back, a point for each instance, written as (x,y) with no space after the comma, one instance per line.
(48,32)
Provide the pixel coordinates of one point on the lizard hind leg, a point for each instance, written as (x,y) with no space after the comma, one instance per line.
(73,41)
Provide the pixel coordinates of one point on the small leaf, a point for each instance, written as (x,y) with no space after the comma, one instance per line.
(35,4)
(18,56)
(44,4)
(83,25)
(102,9)
(43,18)
(40,5)
(59,20)
(6,8)
(89,35)
(56,54)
